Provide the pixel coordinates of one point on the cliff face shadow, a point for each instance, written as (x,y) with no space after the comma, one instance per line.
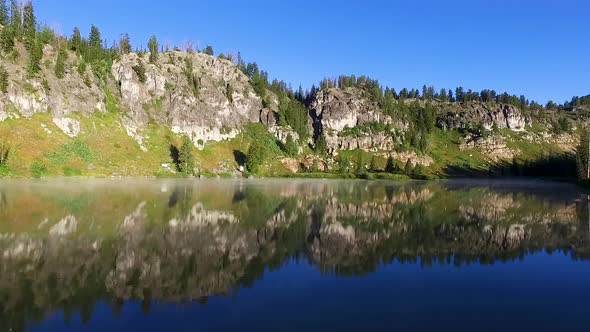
(555,166)
(175,155)
(240,157)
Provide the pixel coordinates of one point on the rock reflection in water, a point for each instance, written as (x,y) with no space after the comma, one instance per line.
(67,245)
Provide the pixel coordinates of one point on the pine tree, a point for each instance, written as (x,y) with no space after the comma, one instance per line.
(208,50)
(185,156)
(257,154)
(7,39)
(76,41)
(60,63)
(321,146)
(360,162)
(95,44)
(153,46)
(29,23)
(409,167)
(3,80)
(290,147)
(582,154)
(3,13)
(390,166)
(35,59)
(94,38)
(125,44)
(139,69)
(16,22)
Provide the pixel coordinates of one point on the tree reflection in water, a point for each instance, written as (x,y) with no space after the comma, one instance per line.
(67,246)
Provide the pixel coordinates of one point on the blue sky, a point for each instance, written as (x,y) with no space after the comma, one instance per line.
(540,48)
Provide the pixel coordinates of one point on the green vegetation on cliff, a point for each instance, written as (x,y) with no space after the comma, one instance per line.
(74,107)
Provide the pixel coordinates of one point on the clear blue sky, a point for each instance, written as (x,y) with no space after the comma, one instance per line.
(540,48)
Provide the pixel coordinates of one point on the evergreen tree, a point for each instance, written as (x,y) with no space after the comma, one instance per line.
(3,13)
(290,146)
(125,44)
(208,50)
(257,154)
(35,59)
(582,154)
(3,80)
(360,162)
(7,39)
(60,63)
(94,44)
(4,154)
(374,166)
(139,69)
(321,145)
(29,23)
(94,39)
(459,94)
(185,156)
(409,167)
(153,46)
(76,41)
(390,166)
(16,23)
(192,79)
(443,94)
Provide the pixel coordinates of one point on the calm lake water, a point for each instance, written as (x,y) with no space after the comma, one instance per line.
(293,255)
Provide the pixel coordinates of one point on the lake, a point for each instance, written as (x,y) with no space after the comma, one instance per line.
(293,255)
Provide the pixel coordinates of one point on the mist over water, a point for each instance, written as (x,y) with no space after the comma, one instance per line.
(185,255)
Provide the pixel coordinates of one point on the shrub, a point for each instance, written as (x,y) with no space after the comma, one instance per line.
(70,171)
(290,147)
(229,91)
(4,154)
(38,170)
(139,69)
(76,148)
(3,80)
(60,63)
(257,154)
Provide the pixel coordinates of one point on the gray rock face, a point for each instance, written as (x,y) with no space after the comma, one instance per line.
(74,94)
(167,97)
(471,114)
(335,110)
(223,104)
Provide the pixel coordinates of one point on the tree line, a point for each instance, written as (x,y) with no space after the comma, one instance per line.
(378,93)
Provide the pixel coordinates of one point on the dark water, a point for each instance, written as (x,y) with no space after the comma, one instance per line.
(282,255)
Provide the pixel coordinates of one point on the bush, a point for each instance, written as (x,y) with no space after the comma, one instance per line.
(321,147)
(38,170)
(4,154)
(257,154)
(390,167)
(70,171)
(3,80)
(229,91)
(76,148)
(60,64)
(290,147)
(139,69)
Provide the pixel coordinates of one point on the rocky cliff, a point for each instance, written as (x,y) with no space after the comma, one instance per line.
(210,99)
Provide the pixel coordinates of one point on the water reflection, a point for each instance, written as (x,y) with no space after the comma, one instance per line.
(66,245)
